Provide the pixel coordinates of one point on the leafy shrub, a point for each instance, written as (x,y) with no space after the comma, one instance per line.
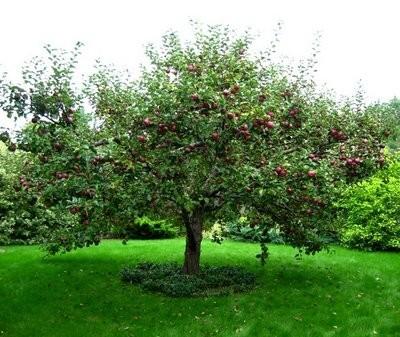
(243,230)
(370,212)
(147,228)
(170,280)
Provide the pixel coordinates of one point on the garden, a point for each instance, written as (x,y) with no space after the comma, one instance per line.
(219,193)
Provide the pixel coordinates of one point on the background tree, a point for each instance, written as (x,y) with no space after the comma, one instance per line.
(209,131)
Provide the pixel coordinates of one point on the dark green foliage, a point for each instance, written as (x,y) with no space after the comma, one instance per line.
(170,280)
(242,230)
(370,212)
(146,228)
(393,110)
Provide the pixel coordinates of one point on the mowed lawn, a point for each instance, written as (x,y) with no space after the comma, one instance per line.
(342,293)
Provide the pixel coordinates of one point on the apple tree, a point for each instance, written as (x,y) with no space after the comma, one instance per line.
(208,131)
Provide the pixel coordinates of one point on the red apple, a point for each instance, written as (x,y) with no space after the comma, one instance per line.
(226,92)
(270,125)
(312,174)
(244,127)
(293,112)
(215,136)
(147,122)
(246,134)
(235,89)
(281,171)
(192,68)
(195,97)
(57,146)
(230,115)
(162,128)
(172,127)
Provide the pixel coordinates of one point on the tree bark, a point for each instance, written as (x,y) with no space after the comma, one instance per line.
(194,226)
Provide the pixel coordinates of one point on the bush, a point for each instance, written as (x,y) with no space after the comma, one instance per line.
(170,280)
(147,228)
(242,230)
(370,212)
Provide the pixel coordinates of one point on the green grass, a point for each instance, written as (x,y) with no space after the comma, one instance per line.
(344,293)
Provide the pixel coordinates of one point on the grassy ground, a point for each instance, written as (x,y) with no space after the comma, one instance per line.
(345,293)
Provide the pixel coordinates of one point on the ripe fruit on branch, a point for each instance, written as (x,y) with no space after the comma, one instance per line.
(214,105)
(172,127)
(88,192)
(235,89)
(230,115)
(318,202)
(97,160)
(147,122)
(245,134)
(257,122)
(35,119)
(206,106)
(162,128)
(74,209)
(195,97)
(85,222)
(215,136)
(353,162)
(314,157)
(61,175)
(337,134)
(281,171)
(190,148)
(270,125)
(262,98)
(57,146)
(244,127)
(141,139)
(294,112)
(244,131)
(24,183)
(226,92)
(311,174)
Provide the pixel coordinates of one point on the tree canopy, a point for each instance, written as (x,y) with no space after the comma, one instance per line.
(208,131)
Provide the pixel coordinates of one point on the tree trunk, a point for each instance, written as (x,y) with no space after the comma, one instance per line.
(194,227)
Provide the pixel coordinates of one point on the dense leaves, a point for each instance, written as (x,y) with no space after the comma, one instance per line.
(370,212)
(146,228)
(171,281)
